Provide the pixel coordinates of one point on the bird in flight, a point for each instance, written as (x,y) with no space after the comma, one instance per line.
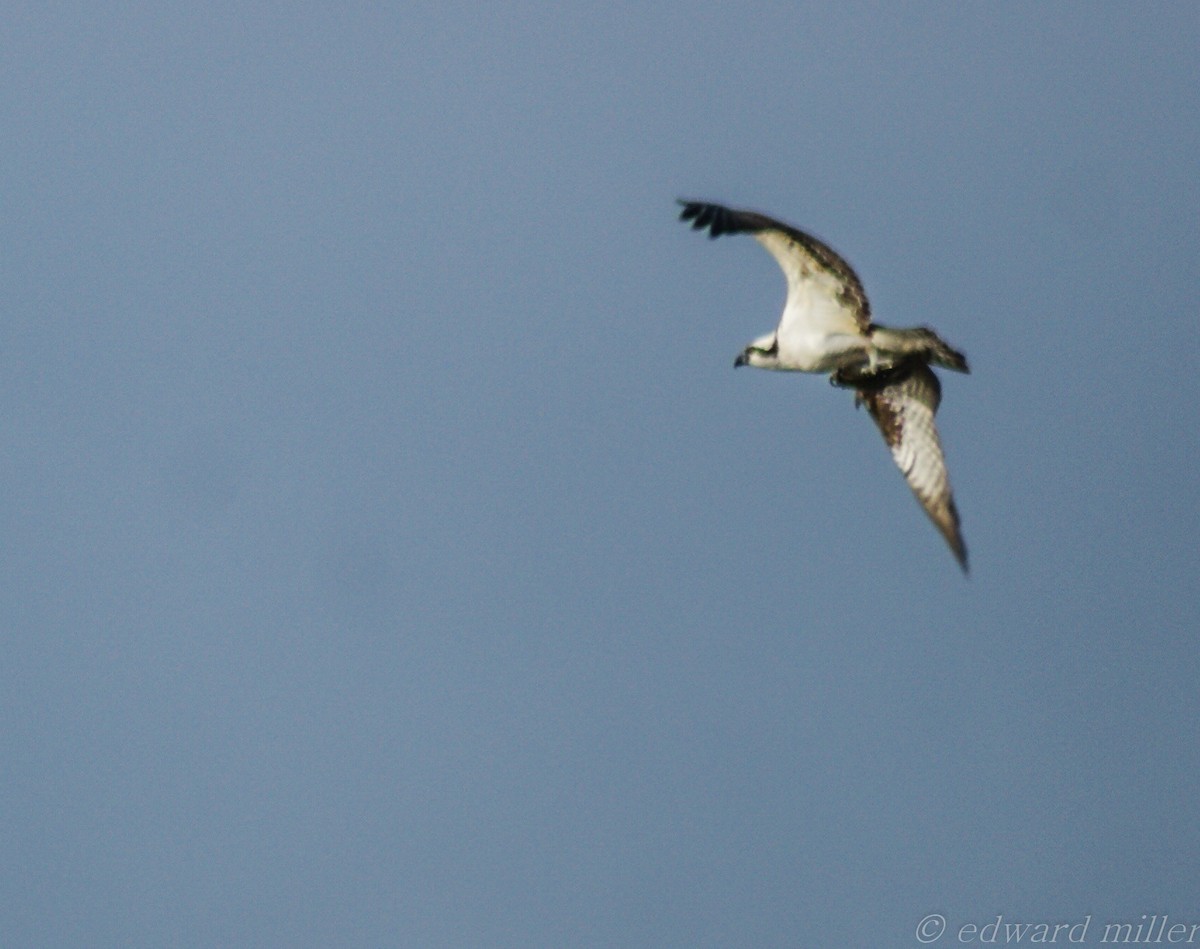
(826,327)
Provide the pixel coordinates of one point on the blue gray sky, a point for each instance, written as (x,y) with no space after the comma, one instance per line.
(392,557)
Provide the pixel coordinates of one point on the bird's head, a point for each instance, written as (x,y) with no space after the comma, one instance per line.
(763,353)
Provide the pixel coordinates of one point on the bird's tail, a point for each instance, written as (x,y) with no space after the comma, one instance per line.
(921,342)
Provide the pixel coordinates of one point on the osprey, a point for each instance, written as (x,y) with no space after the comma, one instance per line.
(826,327)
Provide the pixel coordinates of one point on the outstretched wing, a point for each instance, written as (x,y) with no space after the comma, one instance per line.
(904,412)
(824,292)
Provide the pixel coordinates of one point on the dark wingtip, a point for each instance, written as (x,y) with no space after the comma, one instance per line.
(960,554)
(703,215)
(957,545)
